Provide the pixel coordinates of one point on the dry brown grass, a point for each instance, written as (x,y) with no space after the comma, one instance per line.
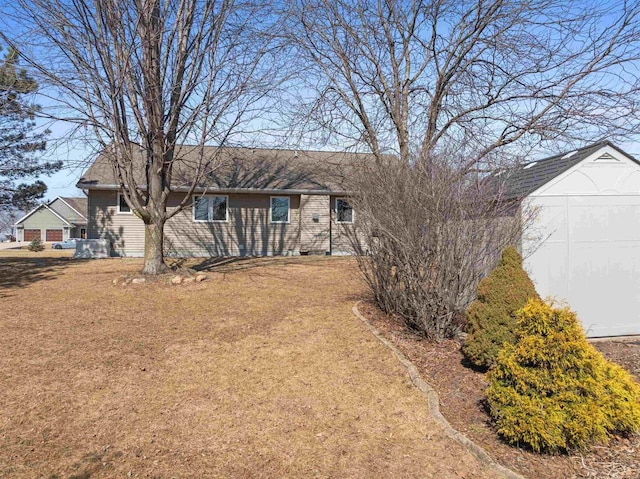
(462,401)
(260,371)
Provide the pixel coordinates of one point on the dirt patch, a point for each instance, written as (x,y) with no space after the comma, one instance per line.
(259,371)
(625,352)
(461,391)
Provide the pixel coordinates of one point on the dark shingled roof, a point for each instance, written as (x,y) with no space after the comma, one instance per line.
(245,169)
(525,179)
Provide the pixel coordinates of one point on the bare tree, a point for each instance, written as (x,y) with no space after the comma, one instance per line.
(8,218)
(144,77)
(455,89)
(420,78)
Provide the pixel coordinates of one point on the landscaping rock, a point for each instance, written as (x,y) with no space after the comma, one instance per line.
(176,280)
(138,280)
(200,277)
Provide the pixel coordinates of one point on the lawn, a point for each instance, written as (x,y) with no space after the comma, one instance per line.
(259,371)
(461,389)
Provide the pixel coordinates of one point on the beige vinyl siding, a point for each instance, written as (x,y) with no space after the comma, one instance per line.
(315,236)
(124,231)
(43,219)
(248,231)
(344,234)
(66,212)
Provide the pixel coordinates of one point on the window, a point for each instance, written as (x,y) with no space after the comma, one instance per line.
(279,209)
(123,207)
(201,209)
(211,208)
(344,211)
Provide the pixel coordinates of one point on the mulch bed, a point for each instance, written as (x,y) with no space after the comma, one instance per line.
(461,391)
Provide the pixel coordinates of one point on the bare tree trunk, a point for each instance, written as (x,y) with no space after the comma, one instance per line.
(154,248)
(151,84)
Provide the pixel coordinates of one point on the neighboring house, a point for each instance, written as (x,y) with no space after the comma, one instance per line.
(255,202)
(585,245)
(58,220)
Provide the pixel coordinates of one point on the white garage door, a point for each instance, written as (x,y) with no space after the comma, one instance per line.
(590,258)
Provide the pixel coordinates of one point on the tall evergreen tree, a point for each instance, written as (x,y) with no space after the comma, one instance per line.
(21,145)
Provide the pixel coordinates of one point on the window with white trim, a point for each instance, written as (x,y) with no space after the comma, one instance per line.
(279,209)
(211,208)
(123,207)
(344,211)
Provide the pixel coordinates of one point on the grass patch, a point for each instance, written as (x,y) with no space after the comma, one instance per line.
(259,371)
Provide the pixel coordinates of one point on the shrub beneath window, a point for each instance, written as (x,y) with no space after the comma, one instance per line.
(35,245)
(552,391)
(491,317)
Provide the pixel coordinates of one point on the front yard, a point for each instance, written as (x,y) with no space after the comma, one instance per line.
(259,371)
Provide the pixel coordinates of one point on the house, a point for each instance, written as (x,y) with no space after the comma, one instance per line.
(58,220)
(584,248)
(254,202)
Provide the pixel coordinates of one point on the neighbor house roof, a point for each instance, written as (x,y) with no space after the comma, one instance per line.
(79,204)
(39,207)
(242,169)
(524,179)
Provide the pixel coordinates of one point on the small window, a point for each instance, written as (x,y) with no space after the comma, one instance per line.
(210,208)
(201,209)
(279,209)
(123,207)
(219,208)
(344,211)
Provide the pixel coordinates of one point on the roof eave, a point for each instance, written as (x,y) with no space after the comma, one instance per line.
(43,205)
(265,191)
(28,214)
(593,155)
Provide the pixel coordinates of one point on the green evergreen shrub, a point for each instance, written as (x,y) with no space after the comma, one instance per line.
(553,391)
(491,317)
(35,245)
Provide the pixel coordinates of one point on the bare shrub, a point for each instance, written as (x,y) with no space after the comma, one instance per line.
(431,235)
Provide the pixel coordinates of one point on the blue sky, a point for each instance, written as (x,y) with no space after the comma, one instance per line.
(75,156)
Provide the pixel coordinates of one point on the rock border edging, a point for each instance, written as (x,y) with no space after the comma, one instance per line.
(433,404)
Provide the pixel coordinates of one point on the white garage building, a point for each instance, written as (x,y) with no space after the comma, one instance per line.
(585,246)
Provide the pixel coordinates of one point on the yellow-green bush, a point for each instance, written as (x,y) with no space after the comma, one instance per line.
(491,317)
(552,391)
(35,245)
